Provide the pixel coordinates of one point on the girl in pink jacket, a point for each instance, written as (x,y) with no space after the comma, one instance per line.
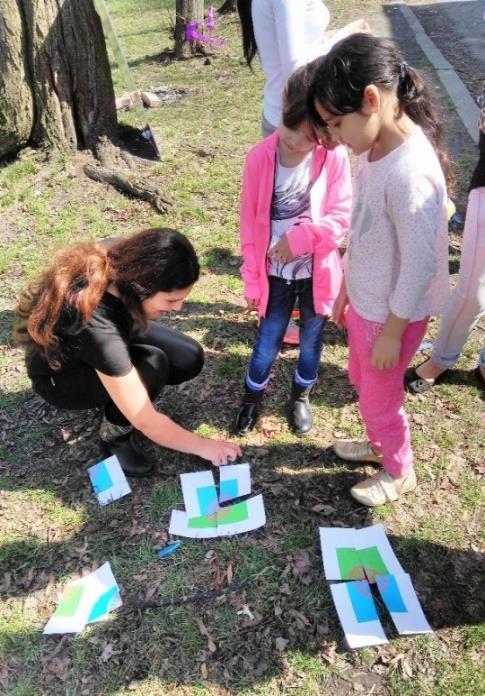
(295,210)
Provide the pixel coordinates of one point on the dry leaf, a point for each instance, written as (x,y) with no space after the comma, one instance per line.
(326,509)
(280,644)
(151,592)
(203,630)
(204,671)
(107,652)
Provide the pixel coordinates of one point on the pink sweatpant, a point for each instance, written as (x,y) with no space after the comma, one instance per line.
(381,392)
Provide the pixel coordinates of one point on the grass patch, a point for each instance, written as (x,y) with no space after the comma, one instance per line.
(53,529)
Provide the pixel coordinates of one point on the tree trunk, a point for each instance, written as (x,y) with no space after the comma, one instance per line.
(56,90)
(227,7)
(54,52)
(186,11)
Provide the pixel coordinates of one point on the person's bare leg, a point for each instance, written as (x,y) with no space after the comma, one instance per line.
(429,370)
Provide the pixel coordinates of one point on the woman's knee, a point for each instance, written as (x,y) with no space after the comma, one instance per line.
(152,365)
(193,357)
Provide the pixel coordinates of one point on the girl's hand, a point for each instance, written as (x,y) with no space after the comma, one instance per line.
(219,451)
(386,352)
(281,251)
(340,307)
(359,26)
(252,303)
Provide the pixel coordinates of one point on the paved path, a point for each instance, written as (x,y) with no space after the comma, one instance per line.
(445,33)
(391,21)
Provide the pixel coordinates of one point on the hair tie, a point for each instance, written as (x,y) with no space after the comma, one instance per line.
(403,69)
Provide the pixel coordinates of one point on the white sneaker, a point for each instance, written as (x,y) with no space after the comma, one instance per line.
(356,451)
(383,488)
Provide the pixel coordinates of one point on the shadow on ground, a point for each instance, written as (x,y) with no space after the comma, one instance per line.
(166,643)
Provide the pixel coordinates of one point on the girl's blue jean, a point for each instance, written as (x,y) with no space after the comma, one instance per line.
(282,297)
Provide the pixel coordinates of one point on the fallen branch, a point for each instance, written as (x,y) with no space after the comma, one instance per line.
(190,599)
(127,183)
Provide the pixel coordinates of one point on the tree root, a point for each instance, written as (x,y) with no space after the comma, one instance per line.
(128,182)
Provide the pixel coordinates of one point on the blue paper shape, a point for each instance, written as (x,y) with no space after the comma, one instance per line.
(109,599)
(100,478)
(390,594)
(207,497)
(362,602)
(169,549)
(228,490)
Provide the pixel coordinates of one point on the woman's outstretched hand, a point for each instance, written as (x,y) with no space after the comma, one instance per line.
(219,451)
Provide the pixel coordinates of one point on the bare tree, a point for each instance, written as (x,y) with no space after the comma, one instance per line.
(56,90)
(187,11)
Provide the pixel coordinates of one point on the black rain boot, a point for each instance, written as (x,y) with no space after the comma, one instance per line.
(299,414)
(250,411)
(118,440)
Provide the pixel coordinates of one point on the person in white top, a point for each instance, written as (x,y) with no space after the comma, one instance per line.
(396,266)
(467,304)
(286,34)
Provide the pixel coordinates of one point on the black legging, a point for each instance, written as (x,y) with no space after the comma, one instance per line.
(161,356)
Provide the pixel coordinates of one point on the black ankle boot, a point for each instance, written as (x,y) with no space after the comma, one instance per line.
(130,455)
(299,414)
(250,411)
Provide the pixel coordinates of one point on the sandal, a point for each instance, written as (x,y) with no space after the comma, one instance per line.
(415,384)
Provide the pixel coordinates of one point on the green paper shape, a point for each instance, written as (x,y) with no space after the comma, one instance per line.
(233,513)
(373,562)
(350,564)
(70,601)
(227,515)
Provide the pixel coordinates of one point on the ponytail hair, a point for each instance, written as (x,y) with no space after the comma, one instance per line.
(361,60)
(72,286)
(249,40)
(63,299)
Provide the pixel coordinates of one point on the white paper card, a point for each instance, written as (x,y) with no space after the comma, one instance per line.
(108,480)
(400,598)
(358,624)
(182,525)
(348,552)
(376,536)
(85,601)
(200,493)
(332,538)
(235,481)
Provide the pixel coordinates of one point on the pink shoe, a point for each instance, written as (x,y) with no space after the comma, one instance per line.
(292,335)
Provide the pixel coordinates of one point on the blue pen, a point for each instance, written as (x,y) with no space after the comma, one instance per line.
(169,549)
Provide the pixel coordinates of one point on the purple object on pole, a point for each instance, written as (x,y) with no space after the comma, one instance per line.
(192,33)
(191,30)
(210,22)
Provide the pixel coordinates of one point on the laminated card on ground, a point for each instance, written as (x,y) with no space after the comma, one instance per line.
(402,603)
(200,493)
(353,554)
(108,480)
(204,517)
(85,601)
(234,481)
(357,613)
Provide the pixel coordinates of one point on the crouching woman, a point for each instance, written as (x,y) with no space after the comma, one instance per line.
(90,340)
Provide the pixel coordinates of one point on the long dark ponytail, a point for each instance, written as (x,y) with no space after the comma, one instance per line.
(249,41)
(362,60)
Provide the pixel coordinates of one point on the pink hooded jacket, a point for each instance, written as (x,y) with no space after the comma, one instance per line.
(330,201)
